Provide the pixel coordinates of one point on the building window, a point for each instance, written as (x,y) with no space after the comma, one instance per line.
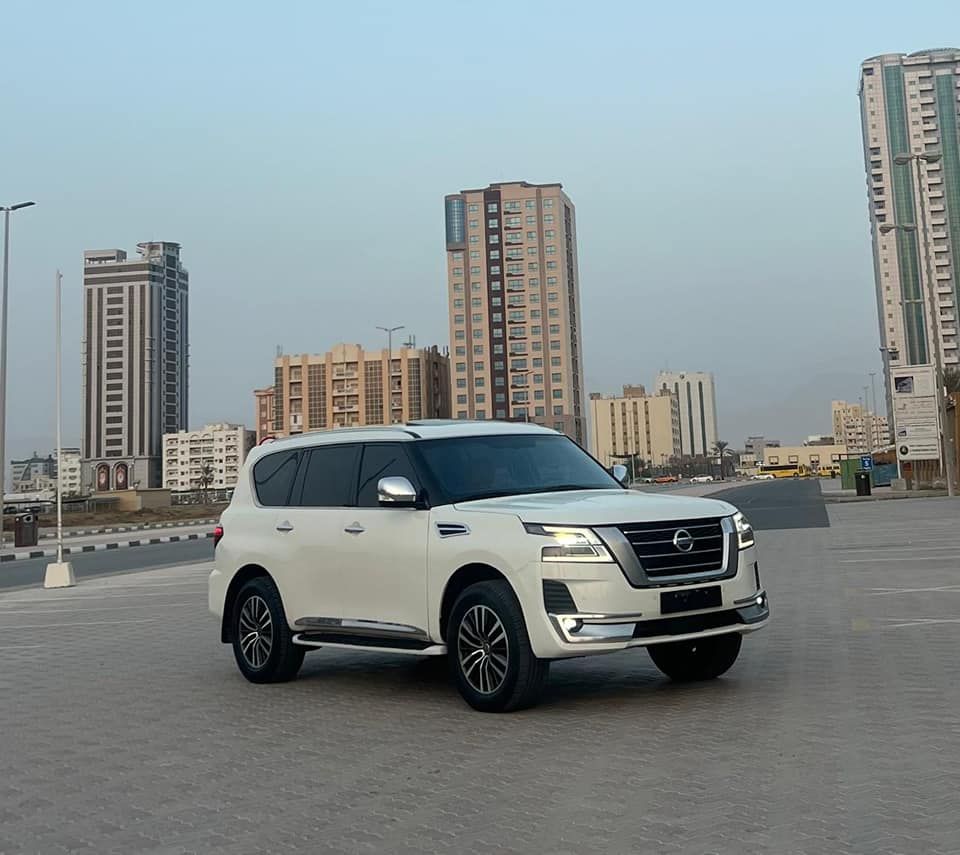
(548,203)
(478,350)
(461,350)
(531,220)
(555,361)
(547,219)
(556,378)
(551,249)
(550,234)
(474,238)
(551,265)
(554,329)
(476,302)
(474,253)
(531,235)
(478,318)
(472,209)
(530,203)
(458,271)
(461,399)
(480,397)
(478,333)
(552,296)
(474,224)
(558,411)
(533,266)
(461,382)
(554,313)
(474,271)
(479,382)
(478,366)
(459,335)
(481,414)
(494,269)
(458,319)
(491,207)
(532,250)
(461,367)
(498,332)
(458,303)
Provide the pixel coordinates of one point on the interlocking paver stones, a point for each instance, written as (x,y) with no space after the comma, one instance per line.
(125,727)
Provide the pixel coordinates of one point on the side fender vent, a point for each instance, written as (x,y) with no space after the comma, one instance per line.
(452,529)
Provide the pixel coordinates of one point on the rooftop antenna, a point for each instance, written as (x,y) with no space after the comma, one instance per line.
(411,341)
(279,350)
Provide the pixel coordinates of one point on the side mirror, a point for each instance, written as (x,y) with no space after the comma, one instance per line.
(620,472)
(397,492)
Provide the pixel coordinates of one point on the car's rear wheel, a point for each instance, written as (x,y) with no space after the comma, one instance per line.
(262,642)
(495,667)
(699,659)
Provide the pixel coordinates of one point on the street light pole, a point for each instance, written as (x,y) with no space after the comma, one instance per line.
(946,449)
(388,385)
(7,210)
(59,574)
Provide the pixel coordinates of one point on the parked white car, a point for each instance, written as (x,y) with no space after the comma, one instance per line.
(763,476)
(502,546)
(702,479)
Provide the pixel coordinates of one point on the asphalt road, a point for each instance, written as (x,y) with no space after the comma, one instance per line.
(787,503)
(17,574)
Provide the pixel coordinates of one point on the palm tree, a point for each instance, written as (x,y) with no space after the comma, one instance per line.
(206,479)
(722,452)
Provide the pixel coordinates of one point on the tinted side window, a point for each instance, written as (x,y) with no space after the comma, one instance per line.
(331,476)
(273,477)
(382,460)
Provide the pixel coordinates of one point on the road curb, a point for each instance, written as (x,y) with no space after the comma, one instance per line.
(82,532)
(101,547)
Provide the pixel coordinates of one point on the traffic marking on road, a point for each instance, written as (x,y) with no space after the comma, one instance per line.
(880,592)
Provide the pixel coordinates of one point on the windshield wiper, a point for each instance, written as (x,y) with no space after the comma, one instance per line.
(561,488)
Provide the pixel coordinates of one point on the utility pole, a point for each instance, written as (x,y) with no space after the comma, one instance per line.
(60,573)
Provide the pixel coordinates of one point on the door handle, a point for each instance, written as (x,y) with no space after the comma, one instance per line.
(355,528)
(286,525)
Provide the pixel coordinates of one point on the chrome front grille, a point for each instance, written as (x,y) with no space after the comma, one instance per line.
(678,548)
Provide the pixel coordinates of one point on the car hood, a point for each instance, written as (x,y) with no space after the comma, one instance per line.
(600,507)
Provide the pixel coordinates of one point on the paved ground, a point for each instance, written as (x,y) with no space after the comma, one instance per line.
(128,729)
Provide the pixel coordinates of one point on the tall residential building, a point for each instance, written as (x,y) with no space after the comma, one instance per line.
(635,424)
(909,105)
(348,386)
(207,458)
(263,412)
(134,363)
(698,409)
(514,292)
(860,430)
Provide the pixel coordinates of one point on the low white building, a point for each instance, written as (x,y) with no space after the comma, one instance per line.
(207,458)
(69,470)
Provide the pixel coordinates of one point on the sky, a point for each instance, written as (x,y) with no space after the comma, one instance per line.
(300,153)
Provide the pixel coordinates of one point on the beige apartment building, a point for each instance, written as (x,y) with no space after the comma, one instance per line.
(860,430)
(514,296)
(812,457)
(349,387)
(209,458)
(263,412)
(635,423)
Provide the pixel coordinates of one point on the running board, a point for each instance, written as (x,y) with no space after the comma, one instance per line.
(373,645)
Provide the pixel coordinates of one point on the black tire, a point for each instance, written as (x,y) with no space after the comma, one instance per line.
(271,656)
(700,659)
(523,675)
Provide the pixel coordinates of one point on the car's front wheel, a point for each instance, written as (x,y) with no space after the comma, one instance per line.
(495,667)
(262,642)
(699,659)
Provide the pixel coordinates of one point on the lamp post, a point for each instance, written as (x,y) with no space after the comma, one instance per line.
(388,385)
(60,573)
(946,449)
(7,210)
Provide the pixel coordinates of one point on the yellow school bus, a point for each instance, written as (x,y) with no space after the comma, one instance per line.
(784,470)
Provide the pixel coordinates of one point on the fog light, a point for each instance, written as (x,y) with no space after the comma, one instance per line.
(759,601)
(571,625)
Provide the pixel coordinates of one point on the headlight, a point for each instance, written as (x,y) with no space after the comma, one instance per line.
(744,530)
(570,544)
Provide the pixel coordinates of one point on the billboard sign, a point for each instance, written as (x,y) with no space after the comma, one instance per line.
(915,418)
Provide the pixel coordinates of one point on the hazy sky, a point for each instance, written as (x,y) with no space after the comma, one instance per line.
(300,153)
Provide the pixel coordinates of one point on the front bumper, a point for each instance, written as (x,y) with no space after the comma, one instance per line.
(606,613)
(638,630)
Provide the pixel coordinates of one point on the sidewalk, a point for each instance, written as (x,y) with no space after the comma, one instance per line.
(82,532)
(833,494)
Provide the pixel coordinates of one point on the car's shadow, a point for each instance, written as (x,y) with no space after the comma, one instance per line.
(616,679)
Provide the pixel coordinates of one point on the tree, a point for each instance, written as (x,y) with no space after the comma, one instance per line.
(206,479)
(722,452)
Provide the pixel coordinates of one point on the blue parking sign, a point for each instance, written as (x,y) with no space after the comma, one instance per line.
(866,462)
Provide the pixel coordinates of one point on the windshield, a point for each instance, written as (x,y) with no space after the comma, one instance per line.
(483,467)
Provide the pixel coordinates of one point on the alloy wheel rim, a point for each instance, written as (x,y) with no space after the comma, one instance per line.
(256,631)
(483,649)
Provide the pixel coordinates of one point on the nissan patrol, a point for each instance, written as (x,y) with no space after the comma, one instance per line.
(501,546)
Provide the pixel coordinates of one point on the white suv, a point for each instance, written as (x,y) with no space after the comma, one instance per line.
(502,546)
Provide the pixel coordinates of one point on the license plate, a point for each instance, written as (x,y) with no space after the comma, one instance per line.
(690,600)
